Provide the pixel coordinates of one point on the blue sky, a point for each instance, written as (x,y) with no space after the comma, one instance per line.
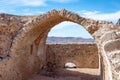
(96,9)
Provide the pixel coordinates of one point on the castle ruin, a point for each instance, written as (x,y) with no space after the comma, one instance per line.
(23,43)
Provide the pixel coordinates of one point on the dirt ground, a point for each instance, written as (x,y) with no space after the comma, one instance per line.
(67,74)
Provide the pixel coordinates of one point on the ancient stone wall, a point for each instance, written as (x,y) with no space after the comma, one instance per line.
(82,55)
(20,35)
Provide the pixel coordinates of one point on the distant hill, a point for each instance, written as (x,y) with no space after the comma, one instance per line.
(58,40)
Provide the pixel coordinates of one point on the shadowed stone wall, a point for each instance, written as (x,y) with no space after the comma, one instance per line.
(82,55)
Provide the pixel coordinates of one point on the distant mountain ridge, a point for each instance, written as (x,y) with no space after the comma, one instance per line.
(58,40)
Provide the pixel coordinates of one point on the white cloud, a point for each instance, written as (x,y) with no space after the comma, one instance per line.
(31,12)
(2,11)
(26,11)
(31,2)
(69,29)
(114,16)
(64,24)
(27,2)
(62,1)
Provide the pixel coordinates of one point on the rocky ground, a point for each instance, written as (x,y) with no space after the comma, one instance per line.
(67,74)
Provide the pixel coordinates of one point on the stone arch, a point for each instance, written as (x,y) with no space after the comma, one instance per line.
(33,32)
(44,23)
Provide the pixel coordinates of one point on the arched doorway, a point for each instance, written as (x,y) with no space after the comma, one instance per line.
(62,54)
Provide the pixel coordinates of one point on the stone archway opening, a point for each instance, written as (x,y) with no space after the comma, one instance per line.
(70,65)
(79,56)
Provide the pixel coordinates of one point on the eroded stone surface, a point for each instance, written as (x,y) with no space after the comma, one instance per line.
(22,41)
(82,55)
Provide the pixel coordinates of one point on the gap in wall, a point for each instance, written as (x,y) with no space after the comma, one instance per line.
(70,43)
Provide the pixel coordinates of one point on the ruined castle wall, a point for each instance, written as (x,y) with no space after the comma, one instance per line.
(26,62)
(82,55)
(18,33)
